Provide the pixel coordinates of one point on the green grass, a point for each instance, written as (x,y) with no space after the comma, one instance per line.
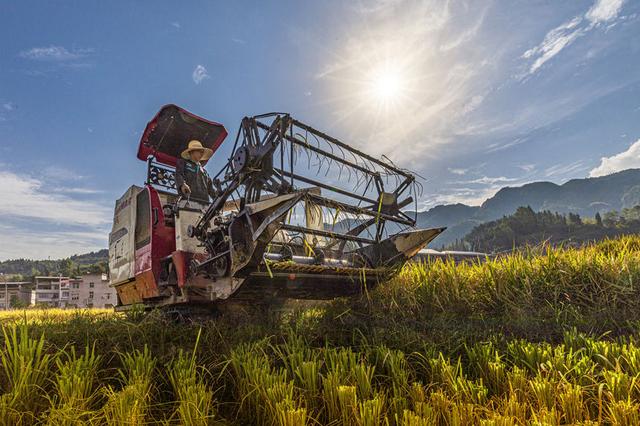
(547,338)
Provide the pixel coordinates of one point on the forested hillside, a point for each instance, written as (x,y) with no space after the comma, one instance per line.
(95,261)
(527,227)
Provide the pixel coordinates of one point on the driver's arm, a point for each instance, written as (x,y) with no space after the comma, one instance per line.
(209,185)
(182,187)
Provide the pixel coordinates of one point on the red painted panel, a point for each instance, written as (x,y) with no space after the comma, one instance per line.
(181,261)
(143,259)
(149,259)
(162,244)
(163,238)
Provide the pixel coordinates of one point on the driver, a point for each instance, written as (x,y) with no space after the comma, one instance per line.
(192,179)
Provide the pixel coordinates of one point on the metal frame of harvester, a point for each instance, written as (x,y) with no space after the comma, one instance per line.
(297,214)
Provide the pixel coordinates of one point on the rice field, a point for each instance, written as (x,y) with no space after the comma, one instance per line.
(535,338)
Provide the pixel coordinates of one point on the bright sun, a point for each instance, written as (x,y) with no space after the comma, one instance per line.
(386,85)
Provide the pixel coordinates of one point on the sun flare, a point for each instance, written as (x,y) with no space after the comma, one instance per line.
(386,85)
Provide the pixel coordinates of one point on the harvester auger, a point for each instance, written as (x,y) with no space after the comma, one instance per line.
(296,214)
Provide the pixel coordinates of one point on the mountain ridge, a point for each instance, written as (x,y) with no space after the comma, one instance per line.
(585,196)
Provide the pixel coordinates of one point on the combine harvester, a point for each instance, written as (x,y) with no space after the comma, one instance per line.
(296,214)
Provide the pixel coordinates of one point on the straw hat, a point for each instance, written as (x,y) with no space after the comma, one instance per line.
(195,145)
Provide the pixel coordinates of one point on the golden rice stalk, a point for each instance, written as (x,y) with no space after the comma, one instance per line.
(371,411)
(131,404)
(348,403)
(75,388)
(26,367)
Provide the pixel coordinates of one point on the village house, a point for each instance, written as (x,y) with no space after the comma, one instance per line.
(85,291)
(14,294)
(92,291)
(50,291)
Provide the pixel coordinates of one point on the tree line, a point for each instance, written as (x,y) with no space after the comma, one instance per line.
(526,227)
(25,269)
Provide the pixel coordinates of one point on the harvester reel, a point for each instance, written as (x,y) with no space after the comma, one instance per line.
(282,168)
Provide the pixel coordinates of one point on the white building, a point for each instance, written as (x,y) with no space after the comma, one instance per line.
(50,291)
(91,291)
(86,291)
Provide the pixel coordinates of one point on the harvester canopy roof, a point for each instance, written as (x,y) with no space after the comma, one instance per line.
(169,132)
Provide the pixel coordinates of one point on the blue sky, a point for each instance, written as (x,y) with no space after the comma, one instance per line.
(471,95)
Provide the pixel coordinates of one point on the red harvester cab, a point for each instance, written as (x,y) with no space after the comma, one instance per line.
(146,248)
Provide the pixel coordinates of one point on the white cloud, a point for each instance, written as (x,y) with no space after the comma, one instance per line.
(459,172)
(562,169)
(26,243)
(199,74)
(473,192)
(488,180)
(466,35)
(41,218)
(555,40)
(604,11)
(564,35)
(176,25)
(54,53)
(628,159)
(498,146)
(26,197)
(78,190)
(329,69)
(468,196)
(238,40)
(527,167)
(473,103)
(58,173)
(6,109)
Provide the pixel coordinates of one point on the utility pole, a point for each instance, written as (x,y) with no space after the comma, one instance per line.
(6,292)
